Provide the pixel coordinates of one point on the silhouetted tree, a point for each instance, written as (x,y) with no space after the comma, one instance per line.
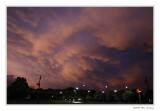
(98,96)
(18,89)
(128,96)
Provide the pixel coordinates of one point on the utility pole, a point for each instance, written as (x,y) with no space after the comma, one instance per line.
(39,86)
(39,82)
(139,94)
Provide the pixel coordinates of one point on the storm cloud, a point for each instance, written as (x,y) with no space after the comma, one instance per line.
(70,46)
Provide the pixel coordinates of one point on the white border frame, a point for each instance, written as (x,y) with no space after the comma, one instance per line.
(76,3)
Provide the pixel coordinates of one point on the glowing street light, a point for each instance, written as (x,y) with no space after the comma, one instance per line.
(89,91)
(60,92)
(52,98)
(139,94)
(138,91)
(126,87)
(79,99)
(77,88)
(102,92)
(106,86)
(115,91)
(83,85)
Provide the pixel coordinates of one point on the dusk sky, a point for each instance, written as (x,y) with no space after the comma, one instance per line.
(75,46)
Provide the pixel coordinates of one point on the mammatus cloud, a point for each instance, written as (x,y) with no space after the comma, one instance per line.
(72,46)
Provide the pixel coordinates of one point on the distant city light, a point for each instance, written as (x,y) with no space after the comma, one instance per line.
(79,99)
(138,91)
(83,85)
(60,92)
(77,102)
(115,91)
(74,90)
(126,87)
(89,91)
(139,94)
(77,88)
(106,86)
(102,92)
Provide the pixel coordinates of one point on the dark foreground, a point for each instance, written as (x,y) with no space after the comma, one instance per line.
(20,93)
(73,96)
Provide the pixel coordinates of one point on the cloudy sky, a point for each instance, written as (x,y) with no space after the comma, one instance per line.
(75,46)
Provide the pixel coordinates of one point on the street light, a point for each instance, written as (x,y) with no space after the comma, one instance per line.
(77,88)
(139,94)
(79,99)
(115,91)
(138,91)
(126,87)
(106,86)
(102,92)
(60,92)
